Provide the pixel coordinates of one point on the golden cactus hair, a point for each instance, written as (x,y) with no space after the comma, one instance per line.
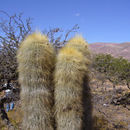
(73,106)
(69,73)
(36,59)
(79,43)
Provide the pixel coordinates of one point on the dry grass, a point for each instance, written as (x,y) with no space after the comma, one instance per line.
(15,116)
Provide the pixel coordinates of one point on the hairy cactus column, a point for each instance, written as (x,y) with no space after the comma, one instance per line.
(69,74)
(36,59)
(81,45)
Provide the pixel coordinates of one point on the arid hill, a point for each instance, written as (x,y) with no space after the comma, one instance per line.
(116,49)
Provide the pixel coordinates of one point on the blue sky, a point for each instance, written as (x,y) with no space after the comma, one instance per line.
(99,20)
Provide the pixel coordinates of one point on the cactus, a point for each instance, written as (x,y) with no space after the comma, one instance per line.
(73,109)
(81,45)
(36,59)
(69,73)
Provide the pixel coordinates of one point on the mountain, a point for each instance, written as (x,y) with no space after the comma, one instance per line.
(115,49)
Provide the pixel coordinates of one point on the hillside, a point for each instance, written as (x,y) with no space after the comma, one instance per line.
(116,49)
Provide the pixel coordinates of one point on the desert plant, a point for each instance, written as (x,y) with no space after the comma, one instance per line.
(107,65)
(36,59)
(13,28)
(116,70)
(79,43)
(71,84)
(124,71)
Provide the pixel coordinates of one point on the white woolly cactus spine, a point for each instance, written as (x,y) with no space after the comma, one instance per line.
(36,59)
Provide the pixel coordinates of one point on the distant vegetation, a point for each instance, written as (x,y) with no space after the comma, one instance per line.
(116,70)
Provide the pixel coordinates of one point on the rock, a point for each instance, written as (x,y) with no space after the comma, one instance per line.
(121,100)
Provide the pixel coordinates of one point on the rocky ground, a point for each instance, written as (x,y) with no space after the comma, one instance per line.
(111,109)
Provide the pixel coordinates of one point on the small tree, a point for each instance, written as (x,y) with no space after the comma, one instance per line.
(13,30)
(58,37)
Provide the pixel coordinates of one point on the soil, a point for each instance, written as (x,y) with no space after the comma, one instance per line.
(107,116)
(117,116)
